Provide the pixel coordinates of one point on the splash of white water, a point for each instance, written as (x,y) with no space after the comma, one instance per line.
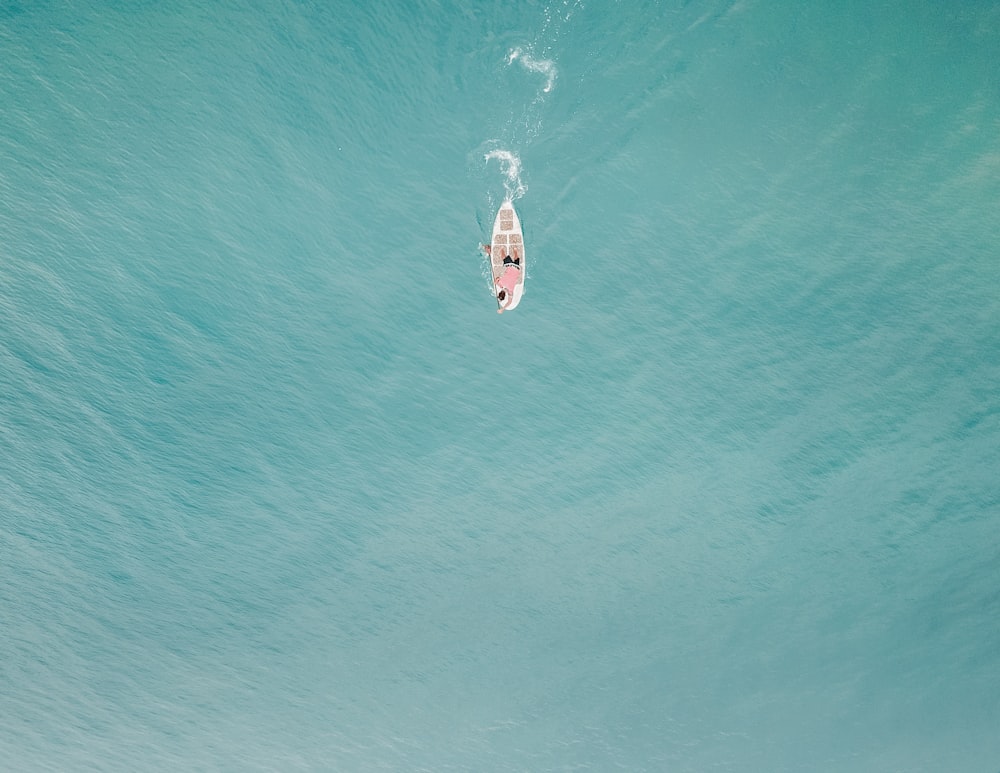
(545,67)
(510,165)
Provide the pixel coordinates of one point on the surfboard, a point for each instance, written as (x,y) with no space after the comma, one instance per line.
(507,239)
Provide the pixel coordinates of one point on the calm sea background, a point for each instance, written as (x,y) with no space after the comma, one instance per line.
(279,490)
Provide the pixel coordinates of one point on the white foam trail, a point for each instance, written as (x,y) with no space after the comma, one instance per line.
(545,67)
(510,165)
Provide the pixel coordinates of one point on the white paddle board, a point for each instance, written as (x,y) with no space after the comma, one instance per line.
(507,241)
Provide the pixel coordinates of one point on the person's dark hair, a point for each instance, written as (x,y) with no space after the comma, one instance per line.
(502,294)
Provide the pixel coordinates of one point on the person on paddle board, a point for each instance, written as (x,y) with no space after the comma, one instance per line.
(507,281)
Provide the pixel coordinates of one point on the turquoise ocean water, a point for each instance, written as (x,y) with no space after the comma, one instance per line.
(279,490)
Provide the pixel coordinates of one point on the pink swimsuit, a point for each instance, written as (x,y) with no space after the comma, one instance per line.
(508,280)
